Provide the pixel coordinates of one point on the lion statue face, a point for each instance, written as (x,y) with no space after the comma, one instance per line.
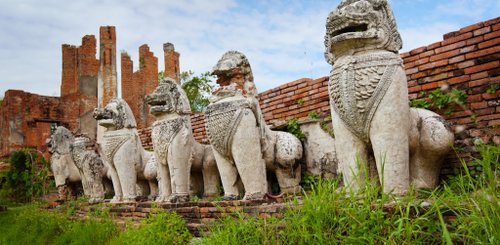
(116,115)
(357,25)
(168,97)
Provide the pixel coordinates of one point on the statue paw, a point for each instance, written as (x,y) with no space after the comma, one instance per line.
(162,199)
(230,198)
(116,199)
(254,196)
(179,198)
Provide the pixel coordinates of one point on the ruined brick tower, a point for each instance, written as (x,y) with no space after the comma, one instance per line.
(107,88)
(171,62)
(107,79)
(136,85)
(79,77)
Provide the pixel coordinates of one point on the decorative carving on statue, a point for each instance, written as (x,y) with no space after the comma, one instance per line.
(243,144)
(126,159)
(181,160)
(63,167)
(90,166)
(369,100)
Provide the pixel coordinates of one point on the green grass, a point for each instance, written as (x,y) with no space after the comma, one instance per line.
(31,224)
(465,209)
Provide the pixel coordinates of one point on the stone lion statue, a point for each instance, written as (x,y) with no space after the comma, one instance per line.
(369,102)
(242,142)
(178,154)
(66,174)
(90,167)
(123,154)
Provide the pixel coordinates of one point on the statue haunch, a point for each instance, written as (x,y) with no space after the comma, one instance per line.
(180,158)
(123,154)
(243,144)
(369,102)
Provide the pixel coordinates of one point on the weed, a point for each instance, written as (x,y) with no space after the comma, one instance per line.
(492,88)
(293,127)
(300,102)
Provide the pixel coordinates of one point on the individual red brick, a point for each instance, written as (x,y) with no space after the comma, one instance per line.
(458,38)
(480,75)
(482,67)
(466,64)
(450,47)
(411,71)
(415,89)
(434,45)
(479,105)
(410,58)
(433,65)
(489,43)
(445,55)
(419,75)
(472,27)
(456,59)
(496,27)
(426,53)
(418,50)
(492,35)
(486,114)
(456,80)
(474,40)
(468,49)
(429,86)
(482,31)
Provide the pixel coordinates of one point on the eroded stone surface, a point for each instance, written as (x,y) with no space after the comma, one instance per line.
(182,162)
(319,151)
(243,144)
(369,101)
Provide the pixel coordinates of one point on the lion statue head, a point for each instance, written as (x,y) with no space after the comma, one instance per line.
(234,69)
(357,25)
(116,115)
(168,97)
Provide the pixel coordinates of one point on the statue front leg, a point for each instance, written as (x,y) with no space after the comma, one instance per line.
(247,155)
(229,176)
(389,137)
(164,188)
(351,153)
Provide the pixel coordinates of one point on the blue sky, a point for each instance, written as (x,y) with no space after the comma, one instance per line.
(282,39)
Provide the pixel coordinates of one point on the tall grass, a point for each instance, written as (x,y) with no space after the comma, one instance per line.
(465,209)
(31,224)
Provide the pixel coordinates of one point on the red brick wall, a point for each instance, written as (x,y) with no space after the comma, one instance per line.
(25,120)
(136,85)
(467,59)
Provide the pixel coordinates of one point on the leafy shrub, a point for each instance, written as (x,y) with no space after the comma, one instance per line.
(27,178)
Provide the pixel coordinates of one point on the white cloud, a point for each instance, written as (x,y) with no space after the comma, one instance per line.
(282,39)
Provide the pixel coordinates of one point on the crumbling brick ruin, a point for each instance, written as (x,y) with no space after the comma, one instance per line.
(467,59)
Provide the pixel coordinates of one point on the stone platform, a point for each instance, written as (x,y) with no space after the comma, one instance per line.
(198,215)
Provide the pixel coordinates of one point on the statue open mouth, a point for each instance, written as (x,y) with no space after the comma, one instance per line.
(350,29)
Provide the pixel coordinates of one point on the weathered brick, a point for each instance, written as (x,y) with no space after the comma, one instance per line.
(489,43)
(483,67)
(458,38)
(445,55)
(471,27)
(482,31)
(492,35)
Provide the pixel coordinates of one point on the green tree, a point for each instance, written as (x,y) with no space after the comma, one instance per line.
(197,88)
